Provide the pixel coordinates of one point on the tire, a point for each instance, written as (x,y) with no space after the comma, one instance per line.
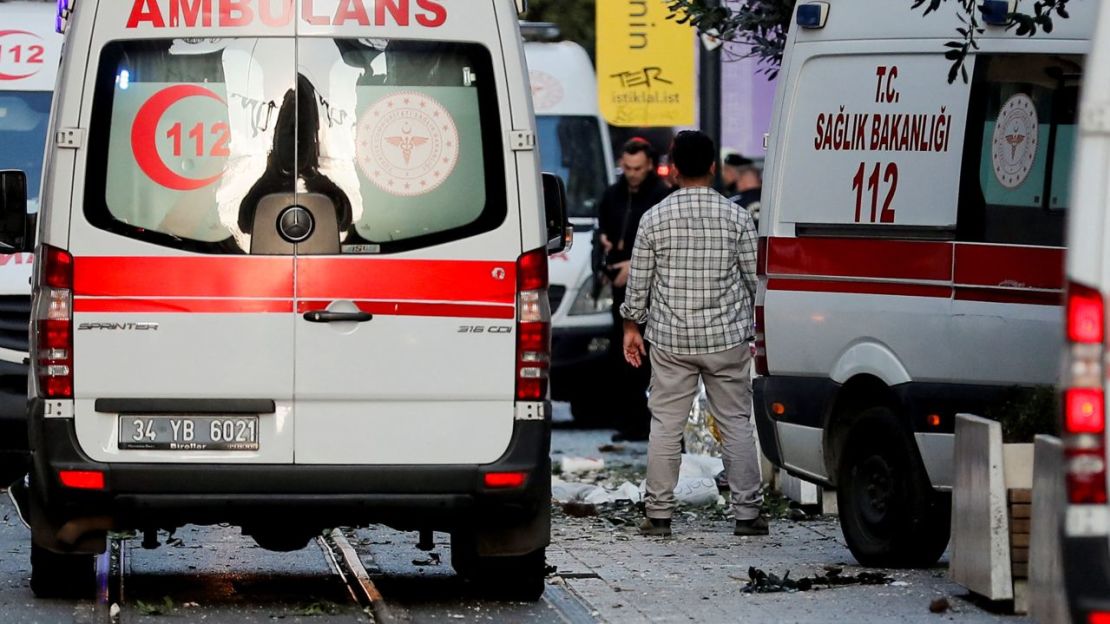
(889,512)
(55,575)
(514,578)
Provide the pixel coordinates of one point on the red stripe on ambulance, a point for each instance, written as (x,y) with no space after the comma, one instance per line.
(279,13)
(408,308)
(177,277)
(184,306)
(463,288)
(989,273)
(854,257)
(456,281)
(1010,266)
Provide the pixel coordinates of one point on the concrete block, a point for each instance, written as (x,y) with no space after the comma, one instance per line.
(1046,571)
(797,490)
(980,523)
(1017,462)
(828,502)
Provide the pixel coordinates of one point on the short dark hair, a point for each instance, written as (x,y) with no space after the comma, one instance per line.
(693,153)
(737,160)
(636,145)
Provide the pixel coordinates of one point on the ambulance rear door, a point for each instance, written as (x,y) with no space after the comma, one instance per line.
(182,326)
(405,328)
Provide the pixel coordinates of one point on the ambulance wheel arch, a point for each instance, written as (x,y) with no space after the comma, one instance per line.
(890,515)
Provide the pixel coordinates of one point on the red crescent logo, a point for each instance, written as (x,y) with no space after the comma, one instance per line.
(6,33)
(144,134)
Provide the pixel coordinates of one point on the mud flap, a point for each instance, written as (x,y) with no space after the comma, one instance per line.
(517,540)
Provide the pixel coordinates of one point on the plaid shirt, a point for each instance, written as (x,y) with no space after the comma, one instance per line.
(693,276)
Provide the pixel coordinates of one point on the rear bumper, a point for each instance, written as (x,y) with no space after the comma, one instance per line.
(808,402)
(1086,575)
(407,497)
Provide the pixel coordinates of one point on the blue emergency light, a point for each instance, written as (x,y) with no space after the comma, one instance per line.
(65,7)
(813,14)
(996,12)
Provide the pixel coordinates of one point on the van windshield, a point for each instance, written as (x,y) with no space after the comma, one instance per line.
(401,138)
(570,146)
(24,116)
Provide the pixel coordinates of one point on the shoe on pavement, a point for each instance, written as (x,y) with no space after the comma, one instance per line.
(656,527)
(755,526)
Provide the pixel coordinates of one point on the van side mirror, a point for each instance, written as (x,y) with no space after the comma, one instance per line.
(559,232)
(13,212)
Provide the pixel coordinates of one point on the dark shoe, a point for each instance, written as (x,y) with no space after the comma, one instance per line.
(656,527)
(755,526)
(630,436)
(722,482)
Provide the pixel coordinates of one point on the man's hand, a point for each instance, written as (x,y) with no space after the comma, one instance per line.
(623,269)
(633,344)
(605,244)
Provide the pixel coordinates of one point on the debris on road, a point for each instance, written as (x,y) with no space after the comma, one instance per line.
(940,605)
(576,509)
(760,582)
(579,465)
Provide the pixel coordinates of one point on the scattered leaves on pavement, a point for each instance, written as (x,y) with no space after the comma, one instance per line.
(760,582)
(155,608)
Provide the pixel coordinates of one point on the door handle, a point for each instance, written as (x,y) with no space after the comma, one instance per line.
(324,316)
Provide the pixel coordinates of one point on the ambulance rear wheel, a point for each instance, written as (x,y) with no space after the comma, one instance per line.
(55,575)
(890,514)
(516,578)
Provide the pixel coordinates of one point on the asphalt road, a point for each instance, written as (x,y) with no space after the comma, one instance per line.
(217,576)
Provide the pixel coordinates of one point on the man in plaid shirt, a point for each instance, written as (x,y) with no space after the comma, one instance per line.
(693,281)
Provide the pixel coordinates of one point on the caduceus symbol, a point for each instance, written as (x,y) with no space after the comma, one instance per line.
(406,141)
(1015,141)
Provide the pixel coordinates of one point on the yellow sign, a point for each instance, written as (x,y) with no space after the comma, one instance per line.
(645,64)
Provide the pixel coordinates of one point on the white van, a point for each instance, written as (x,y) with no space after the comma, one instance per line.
(1086,526)
(911,261)
(574,143)
(29,50)
(291,274)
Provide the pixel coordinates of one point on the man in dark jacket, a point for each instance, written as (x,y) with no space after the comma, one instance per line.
(622,206)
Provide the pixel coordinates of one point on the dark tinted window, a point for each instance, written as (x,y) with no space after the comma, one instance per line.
(1018,155)
(410,132)
(401,138)
(24,117)
(570,146)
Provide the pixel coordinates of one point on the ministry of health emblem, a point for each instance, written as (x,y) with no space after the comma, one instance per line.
(408,143)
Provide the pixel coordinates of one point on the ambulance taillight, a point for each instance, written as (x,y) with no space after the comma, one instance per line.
(53,360)
(533,331)
(759,349)
(1084,426)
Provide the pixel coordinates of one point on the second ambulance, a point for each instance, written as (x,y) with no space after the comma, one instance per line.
(291,274)
(912,251)
(29,50)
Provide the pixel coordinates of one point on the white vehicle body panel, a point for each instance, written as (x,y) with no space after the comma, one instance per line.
(869,272)
(407,388)
(563,83)
(28,26)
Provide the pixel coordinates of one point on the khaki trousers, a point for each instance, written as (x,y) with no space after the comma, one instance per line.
(728,385)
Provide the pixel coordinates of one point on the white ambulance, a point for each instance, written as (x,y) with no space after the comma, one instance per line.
(291,274)
(1086,527)
(911,261)
(574,143)
(29,50)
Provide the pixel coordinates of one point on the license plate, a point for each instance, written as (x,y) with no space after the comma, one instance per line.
(188,433)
